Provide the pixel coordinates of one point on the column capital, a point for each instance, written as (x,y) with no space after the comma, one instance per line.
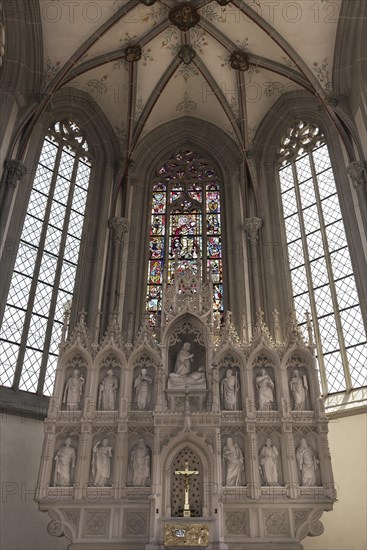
(15,171)
(357,171)
(119,226)
(252,227)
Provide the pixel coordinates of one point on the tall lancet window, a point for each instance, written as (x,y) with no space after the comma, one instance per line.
(45,267)
(321,269)
(185,227)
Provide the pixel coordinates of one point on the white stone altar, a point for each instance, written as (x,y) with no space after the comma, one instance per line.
(243,411)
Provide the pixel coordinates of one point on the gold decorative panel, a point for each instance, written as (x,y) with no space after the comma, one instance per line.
(186,534)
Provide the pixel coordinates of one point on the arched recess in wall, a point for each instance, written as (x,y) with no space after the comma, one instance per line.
(22,71)
(210,143)
(349,65)
(74,106)
(287,114)
(289,109)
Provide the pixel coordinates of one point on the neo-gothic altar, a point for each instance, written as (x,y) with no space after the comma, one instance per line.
(193,433)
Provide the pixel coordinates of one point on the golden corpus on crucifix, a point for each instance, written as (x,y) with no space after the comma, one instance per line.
(187,474)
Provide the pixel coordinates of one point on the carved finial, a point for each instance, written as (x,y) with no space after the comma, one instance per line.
(261,332)
(67,312)
(245,338)
(97,326)
(277,331)
(228,333)
(130,329)
(294,332)
(82,315)
(309,329)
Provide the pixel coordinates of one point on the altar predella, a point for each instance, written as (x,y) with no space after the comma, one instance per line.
(196,435)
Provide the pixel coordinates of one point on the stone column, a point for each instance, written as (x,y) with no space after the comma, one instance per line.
(14,171)
(252,463)
(252,227)
(327,478)
(289,461)
(118,227)
(159,404)
(48,451)
(357,171)
(83,462)
(121,452)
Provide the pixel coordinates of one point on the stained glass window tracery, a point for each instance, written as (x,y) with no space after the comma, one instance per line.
(185,225)
(321,268)
(45,267)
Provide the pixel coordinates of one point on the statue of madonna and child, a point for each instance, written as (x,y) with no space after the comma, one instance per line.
(182,376)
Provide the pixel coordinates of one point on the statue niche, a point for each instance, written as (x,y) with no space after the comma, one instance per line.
(270,464)
(187,382)
(139,462)
(108,389)
(264,385)
(299,389)
(230,388)
(65,462)
(72,398)
(102,461)
(187,367)
(143,388)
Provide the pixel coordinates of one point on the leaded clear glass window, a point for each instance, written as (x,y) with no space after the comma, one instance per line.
(185,227)
(321,270)
(44,273)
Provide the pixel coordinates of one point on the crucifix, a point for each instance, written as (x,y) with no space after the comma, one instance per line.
(187,474)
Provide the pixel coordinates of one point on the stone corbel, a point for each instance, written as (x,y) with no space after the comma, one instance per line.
(357,171)
(15,171)
(252,227)
(119,226)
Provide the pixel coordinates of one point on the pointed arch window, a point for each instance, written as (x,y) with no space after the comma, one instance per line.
(185,227)
(45,268)
(321,269)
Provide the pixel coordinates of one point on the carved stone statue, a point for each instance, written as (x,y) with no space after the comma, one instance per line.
(108,391)
(142,390)
(233,457)
(307,463)
(140,463)
(299,388)
(65,459)
(182,376)
(268,458)
(195,380)
(265,386)
(183,360)
(229,388)
(73,390)
(101,462)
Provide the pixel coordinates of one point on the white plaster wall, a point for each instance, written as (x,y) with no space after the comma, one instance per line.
(345,526)
(23,527)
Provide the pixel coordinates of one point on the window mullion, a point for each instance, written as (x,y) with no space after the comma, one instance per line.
(329,269)
(37,267)
(55,291)
(320,356)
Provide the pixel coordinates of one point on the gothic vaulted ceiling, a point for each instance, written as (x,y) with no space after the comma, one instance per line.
(148,62)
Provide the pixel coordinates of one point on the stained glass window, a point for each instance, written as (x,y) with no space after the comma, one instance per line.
(185,226)
(45,267)
(321,269)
